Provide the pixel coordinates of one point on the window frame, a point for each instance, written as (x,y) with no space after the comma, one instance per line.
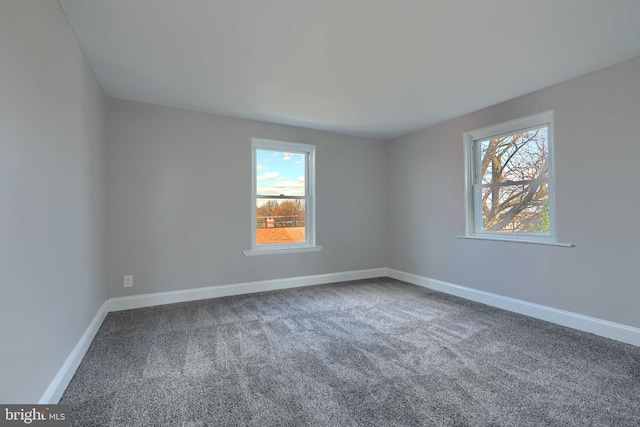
(473,211)
(310,230)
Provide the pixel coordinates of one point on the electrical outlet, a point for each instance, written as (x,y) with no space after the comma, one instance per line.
(128,281)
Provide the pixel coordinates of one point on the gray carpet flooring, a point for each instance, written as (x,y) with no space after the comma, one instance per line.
(374,352)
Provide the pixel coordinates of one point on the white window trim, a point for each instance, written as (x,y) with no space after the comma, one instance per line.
(310,223)
(471,225)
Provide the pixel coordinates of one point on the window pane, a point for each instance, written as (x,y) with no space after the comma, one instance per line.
(515,157)
(280,173)
(280,221)
(516,209)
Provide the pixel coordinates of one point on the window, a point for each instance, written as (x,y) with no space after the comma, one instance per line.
(510,186)
(283,200)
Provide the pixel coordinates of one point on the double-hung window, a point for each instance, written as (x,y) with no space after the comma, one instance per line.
(510,187)
(283,199)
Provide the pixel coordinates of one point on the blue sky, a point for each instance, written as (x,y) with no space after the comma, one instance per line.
(280,173)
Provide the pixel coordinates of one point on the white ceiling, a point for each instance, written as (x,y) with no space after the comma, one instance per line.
(377,68)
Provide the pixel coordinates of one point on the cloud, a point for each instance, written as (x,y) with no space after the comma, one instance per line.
(287,187)
(301,179)
(268,175)
(259,167)
(287,156)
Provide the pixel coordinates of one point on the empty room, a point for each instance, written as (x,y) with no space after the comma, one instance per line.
(319,213)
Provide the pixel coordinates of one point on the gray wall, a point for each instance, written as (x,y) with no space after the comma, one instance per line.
(52,187)
(597,160)
(179,197)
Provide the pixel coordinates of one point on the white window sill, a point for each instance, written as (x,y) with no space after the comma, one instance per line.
(266,251)
(531,242)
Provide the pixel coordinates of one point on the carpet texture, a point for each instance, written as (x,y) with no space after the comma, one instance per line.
(376,352)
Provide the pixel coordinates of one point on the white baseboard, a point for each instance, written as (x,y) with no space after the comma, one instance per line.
(159,298)
(616,331)
(59,384)
(604,328)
